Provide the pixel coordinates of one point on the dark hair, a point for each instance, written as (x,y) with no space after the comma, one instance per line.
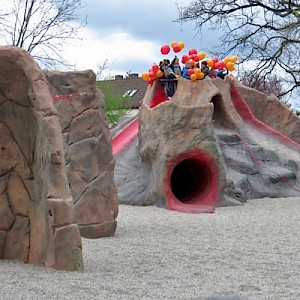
(204,62)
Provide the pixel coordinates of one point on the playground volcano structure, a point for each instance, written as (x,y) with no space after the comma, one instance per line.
(215,143)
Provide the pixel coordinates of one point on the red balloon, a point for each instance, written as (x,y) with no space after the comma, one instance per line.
(155,68)
(176,48)
(190,72)
(222,64)
(195,57)
(215,59)
(184,58)
(193,51)
(165,49)
(152,75)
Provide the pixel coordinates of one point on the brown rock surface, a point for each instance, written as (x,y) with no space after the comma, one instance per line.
(88,151)
(33,181)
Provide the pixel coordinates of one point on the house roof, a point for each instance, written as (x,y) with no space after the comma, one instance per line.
(121,85)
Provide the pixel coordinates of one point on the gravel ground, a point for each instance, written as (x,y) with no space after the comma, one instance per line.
(246,252)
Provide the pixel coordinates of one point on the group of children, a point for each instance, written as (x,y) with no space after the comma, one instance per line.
(172,70)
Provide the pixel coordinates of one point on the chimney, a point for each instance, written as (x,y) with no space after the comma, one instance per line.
(133,75)
(118,77)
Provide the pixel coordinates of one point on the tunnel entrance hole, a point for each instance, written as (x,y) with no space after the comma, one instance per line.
(189,179)
(191,183)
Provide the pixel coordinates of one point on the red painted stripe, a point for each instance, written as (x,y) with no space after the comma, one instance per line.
(245,112)
(67,96)
(125,136)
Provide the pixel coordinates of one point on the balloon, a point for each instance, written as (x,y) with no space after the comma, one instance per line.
(215,59)
(190,72)
(150,81)
(234,59)
(176,48)
(173,43)
(165,49)
(230,66)
(217,65)
(210,63)
(192,51)
(221,64)
(155,68)
(184,59)
(201,55)
(197,71)
(181,45)
(195,57)
(145,76)
(200,76)
(191,62)
(159,73)
(152,75)
(227,59)
(193,77)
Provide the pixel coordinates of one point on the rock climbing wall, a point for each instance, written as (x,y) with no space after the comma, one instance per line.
(88,151)
(37,222)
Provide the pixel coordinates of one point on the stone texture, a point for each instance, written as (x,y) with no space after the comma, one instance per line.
(88,151)
(252,160)
(32,168)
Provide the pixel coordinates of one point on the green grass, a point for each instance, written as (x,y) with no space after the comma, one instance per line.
(114,104)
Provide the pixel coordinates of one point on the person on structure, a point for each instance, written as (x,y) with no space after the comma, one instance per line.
(185,74)
(175,66)
(204,68)
(222,73)
(170,78)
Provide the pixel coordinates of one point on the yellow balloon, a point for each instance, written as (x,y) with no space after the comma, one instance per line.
(201,55)
(145,76)
(181,45)
(193,77)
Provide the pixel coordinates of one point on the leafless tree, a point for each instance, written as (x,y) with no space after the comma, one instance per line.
(42,27)
(101,68)
(264,34)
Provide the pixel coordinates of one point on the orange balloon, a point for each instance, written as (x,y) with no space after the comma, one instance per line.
(159,73)
(193,77)
(191,62)
(201,55)
(230,66)
(197,71)
(234,59)
(200,76)
(181,45)
(227,59)
(145,76)
(210,63)
(173,43)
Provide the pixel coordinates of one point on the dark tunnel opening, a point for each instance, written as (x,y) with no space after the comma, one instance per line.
(190,179)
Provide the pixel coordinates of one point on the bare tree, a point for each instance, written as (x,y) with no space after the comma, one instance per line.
(264,34)
(42,27)
(101,68)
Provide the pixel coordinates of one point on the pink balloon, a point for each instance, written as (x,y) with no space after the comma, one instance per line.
(165,49)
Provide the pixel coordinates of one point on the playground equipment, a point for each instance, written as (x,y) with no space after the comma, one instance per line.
(206,148)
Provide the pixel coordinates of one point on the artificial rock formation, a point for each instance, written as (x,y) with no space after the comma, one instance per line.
(88,152)
(207,148)
(37,222)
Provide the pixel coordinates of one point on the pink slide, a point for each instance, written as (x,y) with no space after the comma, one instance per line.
(125,136)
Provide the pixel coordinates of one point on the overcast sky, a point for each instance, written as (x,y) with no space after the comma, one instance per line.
(129,34)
